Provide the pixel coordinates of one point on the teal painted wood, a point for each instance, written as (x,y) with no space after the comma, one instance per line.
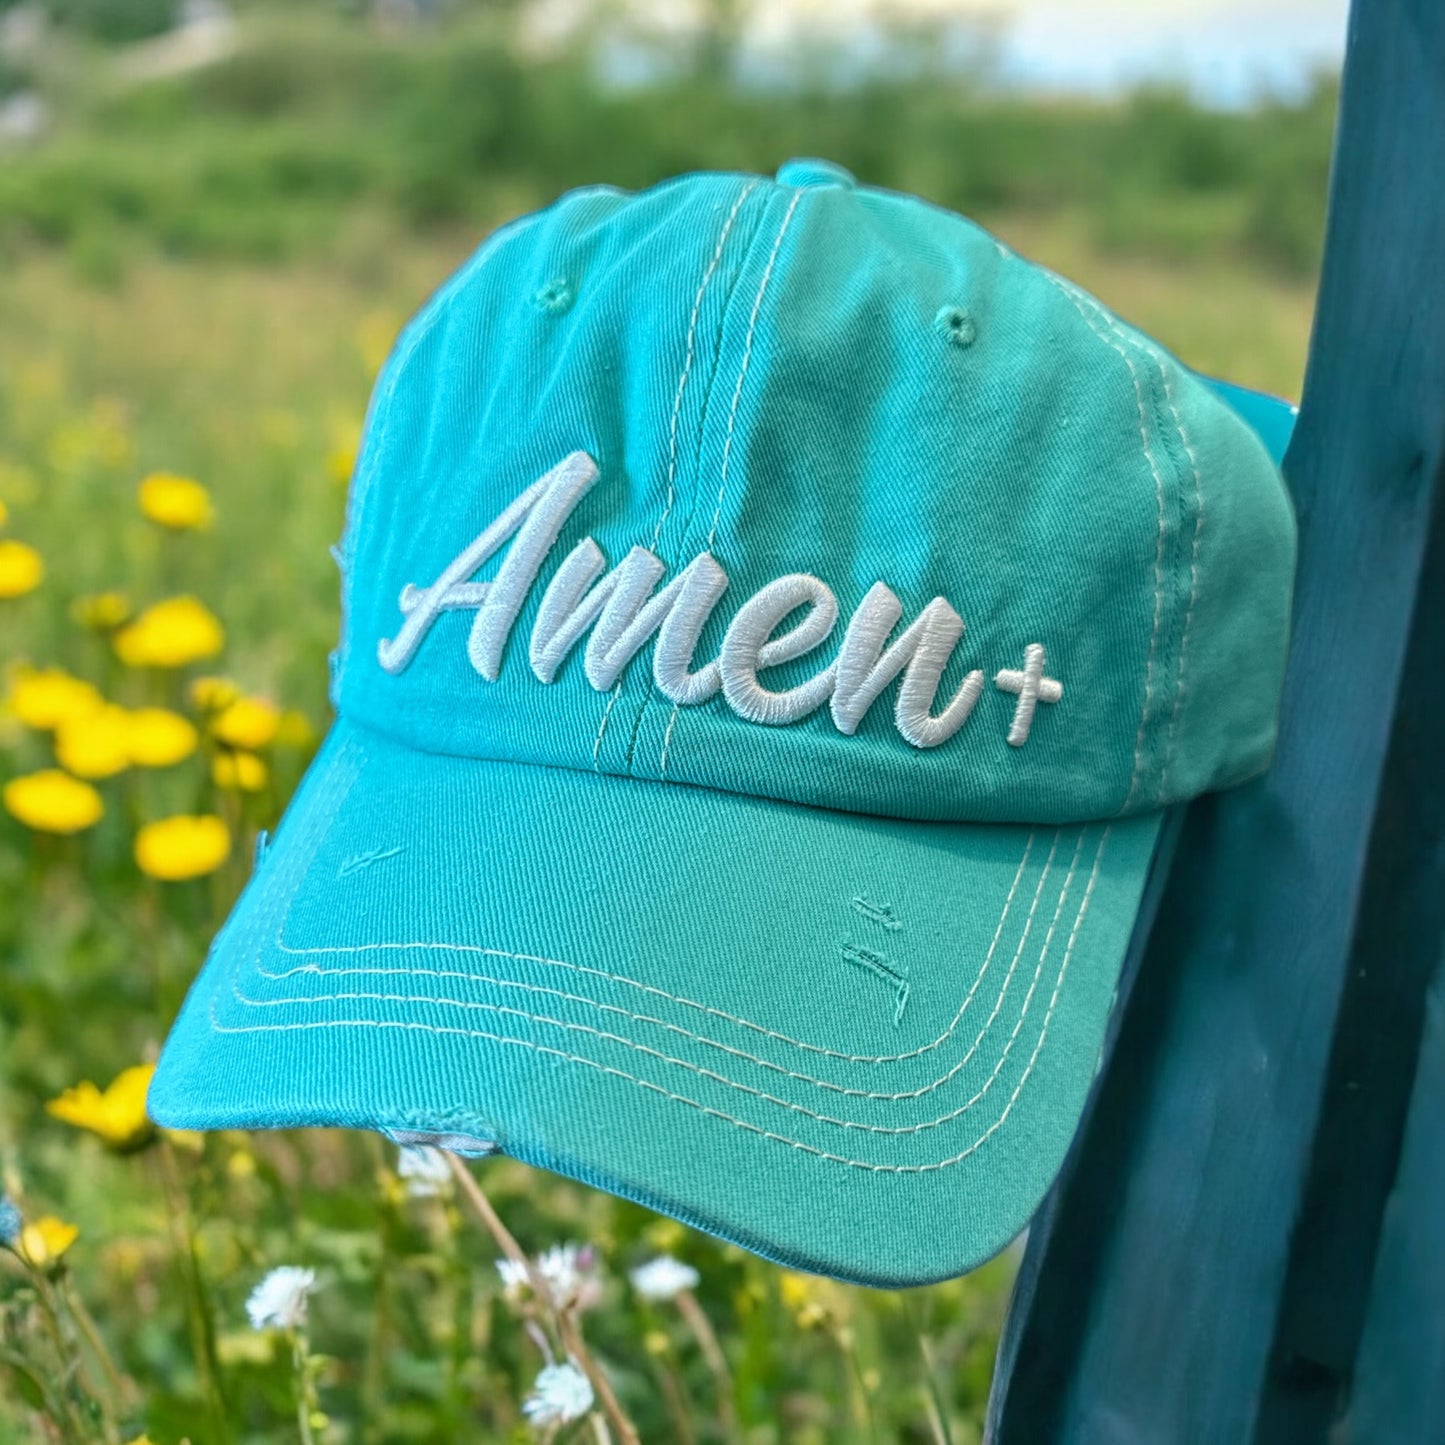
(1399,1395)
(1202,1271)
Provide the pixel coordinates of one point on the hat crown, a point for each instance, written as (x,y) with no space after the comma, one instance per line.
(876,516)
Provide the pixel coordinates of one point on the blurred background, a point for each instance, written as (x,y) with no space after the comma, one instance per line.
(214,217)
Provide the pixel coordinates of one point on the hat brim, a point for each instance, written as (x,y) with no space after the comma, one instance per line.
(856,1045)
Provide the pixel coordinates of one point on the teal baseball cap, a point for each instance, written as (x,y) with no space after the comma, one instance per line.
(776,617)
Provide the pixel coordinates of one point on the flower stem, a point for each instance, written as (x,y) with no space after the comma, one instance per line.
(82,1317)
(373,1376)
(576,1347)
(66,1355)
(567,1330)
(707,1341)
(675,1400)
(198,1319)
(937,1407)
(54,1407)
(304,1397)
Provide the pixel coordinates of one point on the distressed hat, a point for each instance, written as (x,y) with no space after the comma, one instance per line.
(776,617)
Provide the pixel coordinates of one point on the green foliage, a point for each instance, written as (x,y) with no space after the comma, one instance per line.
(268,153)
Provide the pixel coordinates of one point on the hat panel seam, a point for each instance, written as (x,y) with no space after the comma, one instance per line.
(1118,340)
(1181,672)
(689,358)
(649,684)
(746,358)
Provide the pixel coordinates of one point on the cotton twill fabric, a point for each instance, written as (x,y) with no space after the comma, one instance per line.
(705,1002)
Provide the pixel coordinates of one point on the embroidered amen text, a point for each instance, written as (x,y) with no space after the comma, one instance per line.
(623,610)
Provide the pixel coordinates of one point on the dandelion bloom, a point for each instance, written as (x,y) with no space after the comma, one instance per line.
(101,611)
(279,1301)
(22,568)
(117,1114)
(185,846)
(173,633)
(801,1295)
(663,1278)
(178,503)
(211,694)
(560,1394)
(345,444)
(51,801)
(44,697)
(294,729)
(95,744)
(159,738)
(239,773)
(41,1244)
(249,722)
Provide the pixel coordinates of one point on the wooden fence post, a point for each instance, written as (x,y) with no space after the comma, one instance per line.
(1212,1258)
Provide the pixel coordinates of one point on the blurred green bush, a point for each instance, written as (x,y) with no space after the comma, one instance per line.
(269,152)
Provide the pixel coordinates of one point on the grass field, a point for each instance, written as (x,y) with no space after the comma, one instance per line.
(124,354)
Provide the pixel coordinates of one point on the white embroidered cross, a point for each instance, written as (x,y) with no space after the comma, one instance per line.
(1032,688)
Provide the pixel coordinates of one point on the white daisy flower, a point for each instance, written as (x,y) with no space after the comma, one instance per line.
(572,1277)
(280,1299)
(424,1170)
(515,1278)
(560,1394)
(568,1270)
(663,1278)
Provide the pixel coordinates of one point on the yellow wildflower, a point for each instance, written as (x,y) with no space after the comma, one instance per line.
(95,744)
(211,694)
(173,633)
(101,611)
(345,444)
(45,697)
(156,737)
(249,722)
(239,772)
(42,1243)
(340,463)
(807,1298)
(117,1114)
(241,1164)
(294,730)
(173,849)
(140,1440)
(178,503)
(796,1290)
(665,1235)
(52,802)
(22,569)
